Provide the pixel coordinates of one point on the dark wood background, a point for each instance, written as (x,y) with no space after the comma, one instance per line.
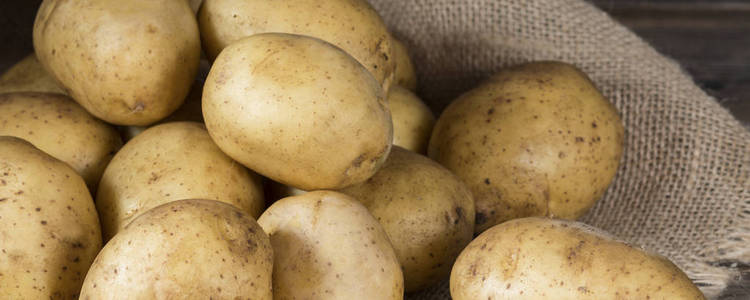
(710,38)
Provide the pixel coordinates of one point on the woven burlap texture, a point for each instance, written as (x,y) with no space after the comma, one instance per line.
(682,189)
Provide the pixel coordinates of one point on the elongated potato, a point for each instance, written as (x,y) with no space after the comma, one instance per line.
(328,246)
(128,63)
(536,139)
(49,231)
(170,162)
(427,212)
(412,120)
(60,127)
(352,25)
(538,258)
(297,110)
(28,75)
(188,249)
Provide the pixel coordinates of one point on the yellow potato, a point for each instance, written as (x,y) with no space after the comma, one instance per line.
(49,231)
(536,139)
(427,212)
(412,120)
(328,246)
(537,258)
(170,162)
(352,25)
(28,75)
(128,63)
(188,249)
(297,110)
(405,74)
(60,127)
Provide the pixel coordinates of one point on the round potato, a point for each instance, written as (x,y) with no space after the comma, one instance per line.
(405,74)
(127,63)
(60,127)
(352,25)
(328,246)
(297,110)
(28,75)
(199,249)
(538,258)
(534,140)
(412,120)
(170,162)
(49,231)
(427,212)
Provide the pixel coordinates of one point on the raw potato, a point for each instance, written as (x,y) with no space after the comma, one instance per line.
(49,231)
(188,249)
(28,75)
(128,63)
(537,258)
(328,246)
(60,127)
(297,110)
(170,162)
(405,74)
(352,25)
(534,140)
(427,212)
(412,120)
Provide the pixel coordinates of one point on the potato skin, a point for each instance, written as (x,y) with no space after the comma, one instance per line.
(281,104)
(427,212)
(189,248)
(128,63)
(170,162)
(328,246)
(536,139)
(412,120)
(60,127)
(49,230)
(406,76)
(352,25)
(28,75)
(539,258)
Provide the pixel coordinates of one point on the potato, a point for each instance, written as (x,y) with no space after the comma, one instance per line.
(297,110)
(534,140)
(127,63)
(327,246)
(28,75)
(170,162)
(188,249)
(49,231)
(352,25)
(538,258)
(427,212)
(412,120)
(405,74)
(60,127)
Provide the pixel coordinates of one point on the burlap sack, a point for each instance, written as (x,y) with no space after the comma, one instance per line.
(682,189)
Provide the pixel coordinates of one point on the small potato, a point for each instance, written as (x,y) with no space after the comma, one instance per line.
(427,212)
(188,249)
(538,258)
(28,75)
(60,127)
(328,246)
(536,139)
(412,120)
(127,63)
(297,110)
(352,25)
(405,74)
(49,231)
(170,162)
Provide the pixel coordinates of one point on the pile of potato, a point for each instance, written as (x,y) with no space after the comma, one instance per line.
(130,168)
